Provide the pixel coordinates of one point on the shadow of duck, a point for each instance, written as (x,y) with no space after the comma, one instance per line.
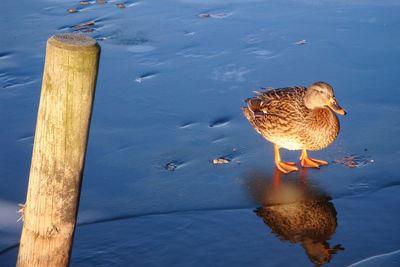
(298,213)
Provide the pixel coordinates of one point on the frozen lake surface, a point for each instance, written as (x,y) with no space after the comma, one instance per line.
(172,78)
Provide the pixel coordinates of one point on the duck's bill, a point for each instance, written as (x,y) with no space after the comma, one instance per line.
(335,107)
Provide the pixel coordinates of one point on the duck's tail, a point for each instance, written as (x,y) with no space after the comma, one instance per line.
(253,108)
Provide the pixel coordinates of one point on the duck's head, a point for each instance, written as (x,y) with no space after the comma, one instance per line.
(320,95)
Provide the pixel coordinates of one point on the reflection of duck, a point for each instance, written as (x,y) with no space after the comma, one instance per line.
(296,118)
(297,214)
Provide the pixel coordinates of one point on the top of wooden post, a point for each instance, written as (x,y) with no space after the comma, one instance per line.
(72,41)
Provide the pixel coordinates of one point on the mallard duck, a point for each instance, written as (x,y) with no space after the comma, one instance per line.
(296,118)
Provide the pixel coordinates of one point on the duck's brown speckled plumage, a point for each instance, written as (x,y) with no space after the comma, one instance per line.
(281,116)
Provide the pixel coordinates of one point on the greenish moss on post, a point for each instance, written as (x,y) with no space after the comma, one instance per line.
(58,158)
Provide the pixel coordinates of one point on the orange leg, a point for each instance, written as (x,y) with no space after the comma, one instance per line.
(284,167)
(277,179)
(305,161)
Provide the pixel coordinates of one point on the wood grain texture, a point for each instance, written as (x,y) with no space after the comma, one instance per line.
(62,129)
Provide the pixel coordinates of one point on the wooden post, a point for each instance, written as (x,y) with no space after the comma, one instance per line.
(62,128)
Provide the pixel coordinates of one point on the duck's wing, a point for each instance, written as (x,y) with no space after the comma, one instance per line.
(277,102)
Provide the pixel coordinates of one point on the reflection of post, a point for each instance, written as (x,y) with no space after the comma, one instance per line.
(62,128)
